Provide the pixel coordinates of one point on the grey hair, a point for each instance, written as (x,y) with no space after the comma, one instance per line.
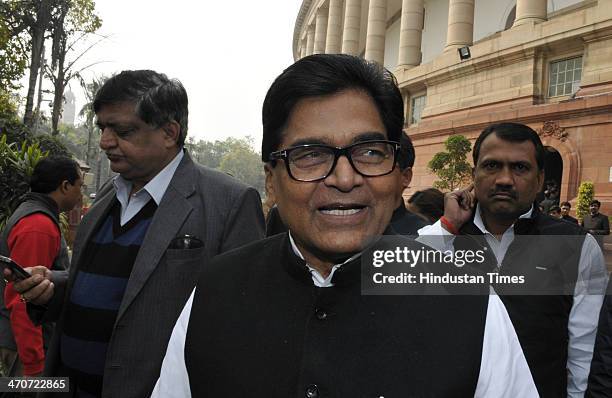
(158,100)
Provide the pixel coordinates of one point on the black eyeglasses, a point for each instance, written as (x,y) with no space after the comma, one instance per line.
(314,162)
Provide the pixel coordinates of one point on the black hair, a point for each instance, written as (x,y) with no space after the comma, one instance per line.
(568,204)
(513,132)
(158,100)
(406,154)
(323,75)
(554,208)
(428,202)
(595,202)
(50,172)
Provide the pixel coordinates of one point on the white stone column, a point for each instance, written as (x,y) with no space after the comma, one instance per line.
(460,24)
(310,39)
(302,48)
(320,31)
(352,27)
(377,27)
(410,33)
(333,43)
(530,11)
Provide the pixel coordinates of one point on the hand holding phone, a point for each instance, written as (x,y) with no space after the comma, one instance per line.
(34,286)
(18,272)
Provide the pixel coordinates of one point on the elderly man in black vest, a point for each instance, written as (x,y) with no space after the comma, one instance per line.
(286,316)
(555,313)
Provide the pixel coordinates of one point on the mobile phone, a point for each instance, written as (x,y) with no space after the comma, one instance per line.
(15,268)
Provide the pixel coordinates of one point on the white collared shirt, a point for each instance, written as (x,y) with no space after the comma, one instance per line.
(154,189)
(584,315)
(318,279)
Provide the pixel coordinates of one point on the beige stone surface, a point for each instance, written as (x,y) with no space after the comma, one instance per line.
(320,31)
(410,33)
(506,78)
(310,40)
(377,27)
(352,27)
(460,24)
(530,11)
(333,43)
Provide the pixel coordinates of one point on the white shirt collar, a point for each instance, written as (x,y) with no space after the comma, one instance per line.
(156,188)
(479,222)
(317,278)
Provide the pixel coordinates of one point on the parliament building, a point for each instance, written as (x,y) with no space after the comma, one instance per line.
(464,64)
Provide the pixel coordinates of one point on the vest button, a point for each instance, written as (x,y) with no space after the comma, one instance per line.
(320,314)
(312,391)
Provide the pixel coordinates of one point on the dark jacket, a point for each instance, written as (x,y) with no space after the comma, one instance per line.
(406,223)
(200,202)
(600,378)
(546,251)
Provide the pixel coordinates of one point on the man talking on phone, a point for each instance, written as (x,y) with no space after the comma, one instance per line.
(556,329)
(32,236)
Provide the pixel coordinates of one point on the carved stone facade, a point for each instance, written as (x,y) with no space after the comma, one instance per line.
(553,129)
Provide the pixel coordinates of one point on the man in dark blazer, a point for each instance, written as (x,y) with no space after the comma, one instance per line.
(141,247)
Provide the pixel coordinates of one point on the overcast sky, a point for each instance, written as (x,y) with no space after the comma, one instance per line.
(226,54)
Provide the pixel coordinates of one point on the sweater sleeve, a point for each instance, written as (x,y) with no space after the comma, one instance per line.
(34,240)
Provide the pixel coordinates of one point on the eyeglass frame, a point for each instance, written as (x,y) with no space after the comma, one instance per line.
(338,151)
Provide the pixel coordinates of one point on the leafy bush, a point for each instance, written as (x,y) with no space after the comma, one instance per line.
(451,166)
(52,144)
(586,193)
(16,167)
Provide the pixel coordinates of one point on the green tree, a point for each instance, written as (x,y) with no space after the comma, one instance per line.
(234,156)
(586,193)
(245,165)
(31,18)
(72,22)
(16,166)
(74,138)
(90,88)
(14,46)
(10,124)
(451,166)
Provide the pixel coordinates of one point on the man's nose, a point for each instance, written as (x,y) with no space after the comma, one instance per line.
(505,177)
(344,177)
(108,139)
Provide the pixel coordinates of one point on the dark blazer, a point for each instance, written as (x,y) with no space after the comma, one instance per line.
(213,206)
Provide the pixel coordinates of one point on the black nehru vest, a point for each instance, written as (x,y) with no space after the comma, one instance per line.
(546,251)
(260,328)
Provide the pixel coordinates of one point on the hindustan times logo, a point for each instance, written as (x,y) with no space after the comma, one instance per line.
(400,255)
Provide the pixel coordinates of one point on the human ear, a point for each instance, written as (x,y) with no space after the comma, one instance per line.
(406,177)
(269,186)
(172,130)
